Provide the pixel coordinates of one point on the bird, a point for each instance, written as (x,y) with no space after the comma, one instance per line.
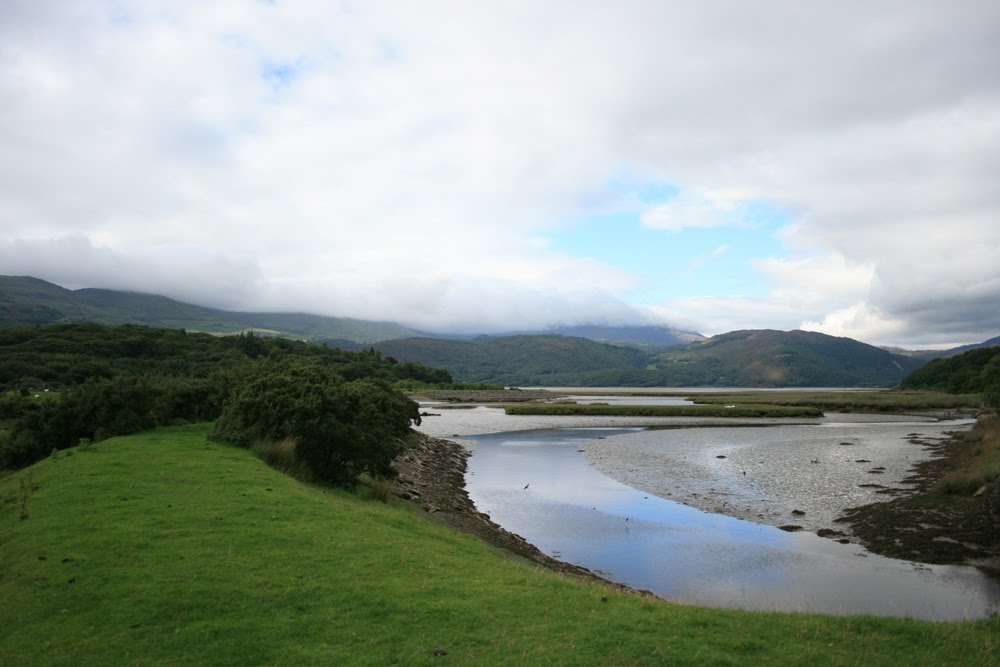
(526,485)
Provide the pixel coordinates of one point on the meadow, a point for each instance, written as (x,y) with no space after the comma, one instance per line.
(163,548)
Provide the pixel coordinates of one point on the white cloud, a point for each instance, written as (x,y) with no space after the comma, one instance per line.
(702,208)
(408,155)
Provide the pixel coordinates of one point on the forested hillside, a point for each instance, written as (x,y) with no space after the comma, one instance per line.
(768,358)
(975,371)
(517,360)
(737,359)
(66,384)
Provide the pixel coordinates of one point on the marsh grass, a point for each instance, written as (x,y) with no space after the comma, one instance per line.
(377,488)
(850,401)
(280,455)
(984,467)
(167,549)
(725,410)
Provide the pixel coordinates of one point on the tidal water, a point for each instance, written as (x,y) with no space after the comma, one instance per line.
(539,485)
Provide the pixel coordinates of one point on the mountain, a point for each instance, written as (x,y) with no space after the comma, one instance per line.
(517,360)
(760,358)
(927,355)
(768,358)
(26,301)
(629,335)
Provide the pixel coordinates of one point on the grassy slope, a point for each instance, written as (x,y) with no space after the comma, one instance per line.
(161,548)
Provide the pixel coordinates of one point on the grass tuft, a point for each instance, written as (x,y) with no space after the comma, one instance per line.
(281,456)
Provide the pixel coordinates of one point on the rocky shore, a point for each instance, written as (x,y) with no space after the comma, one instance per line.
(926,525)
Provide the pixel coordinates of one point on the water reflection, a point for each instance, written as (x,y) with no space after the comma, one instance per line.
(539,485)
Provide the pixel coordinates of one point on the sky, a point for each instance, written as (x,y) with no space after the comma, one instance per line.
(495,166)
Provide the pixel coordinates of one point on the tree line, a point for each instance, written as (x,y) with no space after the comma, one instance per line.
(67,384)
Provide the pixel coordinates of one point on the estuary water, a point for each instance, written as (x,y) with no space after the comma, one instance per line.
(540,485)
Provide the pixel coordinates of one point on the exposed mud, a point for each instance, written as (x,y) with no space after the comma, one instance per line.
(923,524)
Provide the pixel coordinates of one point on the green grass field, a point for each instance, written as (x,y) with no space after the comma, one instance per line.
(737,410)
(164,549)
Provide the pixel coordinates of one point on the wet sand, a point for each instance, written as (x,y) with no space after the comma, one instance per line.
(804,476)
(804,472)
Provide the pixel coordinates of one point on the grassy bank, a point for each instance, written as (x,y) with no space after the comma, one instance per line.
(983,465)
(737,410)
(850,401)
(162,548)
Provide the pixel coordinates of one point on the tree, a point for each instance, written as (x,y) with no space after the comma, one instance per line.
(341,429)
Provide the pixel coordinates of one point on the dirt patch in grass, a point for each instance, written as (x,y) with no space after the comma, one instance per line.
(925,523)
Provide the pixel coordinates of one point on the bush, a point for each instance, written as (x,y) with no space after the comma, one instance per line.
(341,429)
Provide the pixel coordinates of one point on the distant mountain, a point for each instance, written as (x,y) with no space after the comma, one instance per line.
(636,335)
(767,358)
(974,346)
(630,335)
(517,360)
(26,301)
(738,359)
(927,355)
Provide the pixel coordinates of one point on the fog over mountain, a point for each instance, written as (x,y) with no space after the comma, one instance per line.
(506,166)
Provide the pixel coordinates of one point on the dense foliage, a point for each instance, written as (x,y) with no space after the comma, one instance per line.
(61,385)
(340,428)
(975,371)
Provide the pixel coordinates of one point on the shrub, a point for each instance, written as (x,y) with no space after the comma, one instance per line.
(341,429)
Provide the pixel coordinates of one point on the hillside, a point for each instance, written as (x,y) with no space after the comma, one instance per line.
(738,359)
(26,301)
(974,371)
(629,335)
(516,360)
(165,549)
(768,358)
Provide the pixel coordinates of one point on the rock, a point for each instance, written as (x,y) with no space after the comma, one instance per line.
(721,456)
(980,491)
(790,528)
(798,513)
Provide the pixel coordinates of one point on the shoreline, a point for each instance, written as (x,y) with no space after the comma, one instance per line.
(432,475)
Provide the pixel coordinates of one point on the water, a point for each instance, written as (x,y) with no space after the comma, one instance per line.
(577,514)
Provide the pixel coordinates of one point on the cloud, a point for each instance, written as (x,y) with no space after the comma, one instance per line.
(706,208)
(400,161)
(701,260)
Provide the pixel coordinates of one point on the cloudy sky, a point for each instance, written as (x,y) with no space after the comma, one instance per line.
(486,166)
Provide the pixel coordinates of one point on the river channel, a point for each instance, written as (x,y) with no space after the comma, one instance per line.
(540,485)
